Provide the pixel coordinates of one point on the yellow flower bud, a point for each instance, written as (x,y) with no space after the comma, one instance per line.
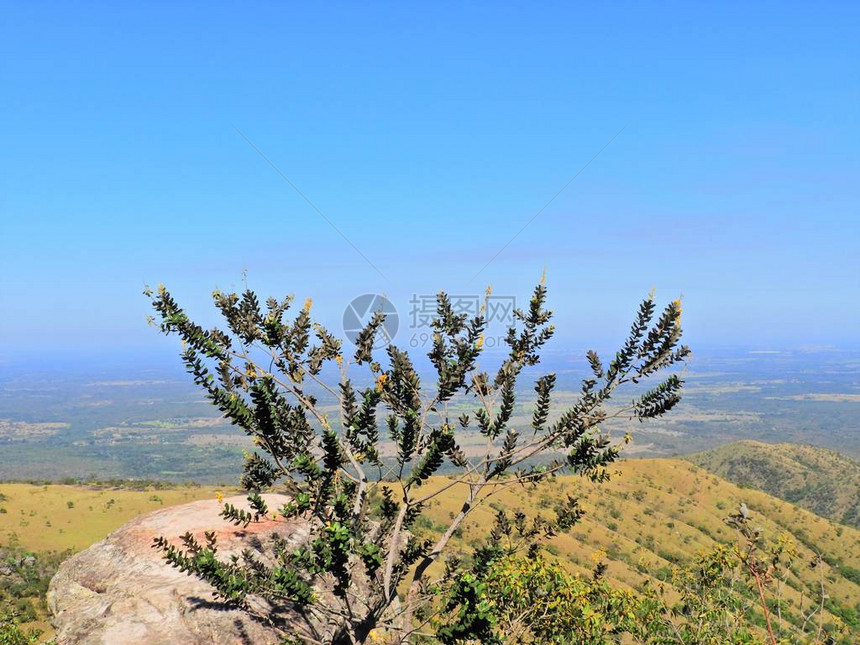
(380,381)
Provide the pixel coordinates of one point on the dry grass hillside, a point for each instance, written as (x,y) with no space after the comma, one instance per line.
(56,517)
(820,480)
(657,513)
(652,515)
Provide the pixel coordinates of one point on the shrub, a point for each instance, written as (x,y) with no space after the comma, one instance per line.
(11,633)
(268,377)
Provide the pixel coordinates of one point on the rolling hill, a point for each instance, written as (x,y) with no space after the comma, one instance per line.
(655,514)
(820,480)
(652,516)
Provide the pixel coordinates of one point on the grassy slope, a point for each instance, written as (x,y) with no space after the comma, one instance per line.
(653,512)
(39,518)
(662,510)
(817,479)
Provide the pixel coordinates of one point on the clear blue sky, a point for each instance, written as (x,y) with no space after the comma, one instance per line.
(429,134)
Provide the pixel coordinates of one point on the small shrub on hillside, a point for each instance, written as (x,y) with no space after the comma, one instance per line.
(266,373)
(11,632)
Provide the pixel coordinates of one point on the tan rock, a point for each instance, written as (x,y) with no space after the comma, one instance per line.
(121,592)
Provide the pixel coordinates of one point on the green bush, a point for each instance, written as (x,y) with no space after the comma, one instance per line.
(266,372)
(11,632)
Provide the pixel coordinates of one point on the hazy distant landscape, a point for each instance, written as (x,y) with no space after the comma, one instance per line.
(98,422)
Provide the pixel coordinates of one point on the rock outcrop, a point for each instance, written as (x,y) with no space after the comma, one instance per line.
(121,592)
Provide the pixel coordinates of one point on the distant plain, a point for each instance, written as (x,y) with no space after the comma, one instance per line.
(130,419)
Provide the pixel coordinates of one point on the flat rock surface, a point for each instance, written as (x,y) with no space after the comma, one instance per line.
(120,591)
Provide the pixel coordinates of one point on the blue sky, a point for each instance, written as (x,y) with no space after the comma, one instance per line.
(429,134)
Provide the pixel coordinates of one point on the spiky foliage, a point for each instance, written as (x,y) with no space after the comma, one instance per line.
(264,372)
